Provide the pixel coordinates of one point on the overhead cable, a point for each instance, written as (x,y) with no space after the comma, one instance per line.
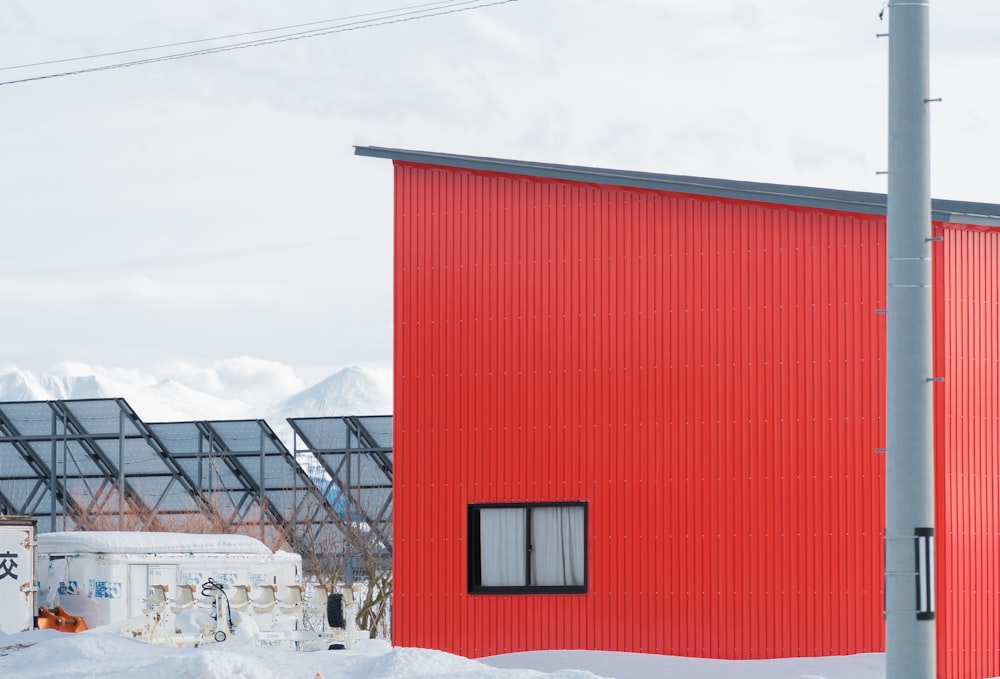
(400,17)
(225,37)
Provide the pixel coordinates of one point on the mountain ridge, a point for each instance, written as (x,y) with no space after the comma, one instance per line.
(350,391)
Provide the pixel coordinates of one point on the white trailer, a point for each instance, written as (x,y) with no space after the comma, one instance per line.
(110,577)
(17,574)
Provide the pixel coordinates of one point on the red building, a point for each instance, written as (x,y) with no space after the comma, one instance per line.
(643,412)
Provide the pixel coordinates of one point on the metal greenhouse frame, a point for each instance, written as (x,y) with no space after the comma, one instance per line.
(93,464)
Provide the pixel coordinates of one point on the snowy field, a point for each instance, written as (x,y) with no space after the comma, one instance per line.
(47,654)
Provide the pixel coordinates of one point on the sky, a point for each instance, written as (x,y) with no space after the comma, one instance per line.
(51,654)
(207,215)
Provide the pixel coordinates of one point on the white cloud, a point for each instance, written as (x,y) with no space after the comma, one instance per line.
(139,289)
(203,378)
(255,381)
(252,381)
(196,209)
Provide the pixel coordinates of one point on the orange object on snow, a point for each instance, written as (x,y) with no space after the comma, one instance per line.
(59,619)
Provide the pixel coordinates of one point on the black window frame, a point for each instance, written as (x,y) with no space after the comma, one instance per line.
(475,570)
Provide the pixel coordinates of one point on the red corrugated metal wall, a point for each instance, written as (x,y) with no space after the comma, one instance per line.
(705,373)
(967,270)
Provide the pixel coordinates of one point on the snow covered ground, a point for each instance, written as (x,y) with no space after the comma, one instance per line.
(43,654)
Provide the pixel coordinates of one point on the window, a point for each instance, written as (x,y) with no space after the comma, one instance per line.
(525,548)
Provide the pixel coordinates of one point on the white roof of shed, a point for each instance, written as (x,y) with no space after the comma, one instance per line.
(108,542)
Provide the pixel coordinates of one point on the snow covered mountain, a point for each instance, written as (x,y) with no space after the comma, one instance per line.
(166,400)
(351,391)
(20,385)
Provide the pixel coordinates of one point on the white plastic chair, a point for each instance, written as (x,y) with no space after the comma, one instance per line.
(157,598)
(265,600)
(184,599)
(239,598)
(292,601)
(316,603)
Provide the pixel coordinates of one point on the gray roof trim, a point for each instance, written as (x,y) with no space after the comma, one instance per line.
(986,214)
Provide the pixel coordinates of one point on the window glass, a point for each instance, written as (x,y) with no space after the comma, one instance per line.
(503,544)
(527,548)
(557,546)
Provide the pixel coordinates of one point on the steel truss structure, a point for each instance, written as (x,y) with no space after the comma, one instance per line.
(93,464)
(88,464)
(248,478)
(356,455)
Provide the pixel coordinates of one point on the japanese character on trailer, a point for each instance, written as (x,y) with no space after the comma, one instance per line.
(7,565)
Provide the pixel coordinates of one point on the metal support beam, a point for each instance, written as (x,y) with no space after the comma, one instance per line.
(121,470)
(909,510)
(53,477)
(262,485)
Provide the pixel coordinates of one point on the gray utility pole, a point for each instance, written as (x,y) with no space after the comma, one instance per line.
(909,497)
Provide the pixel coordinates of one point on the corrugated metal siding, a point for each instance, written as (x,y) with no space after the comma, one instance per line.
(968,468)
(705,373)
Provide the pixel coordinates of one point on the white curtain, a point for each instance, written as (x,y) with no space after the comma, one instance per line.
(502,536)
(557,553)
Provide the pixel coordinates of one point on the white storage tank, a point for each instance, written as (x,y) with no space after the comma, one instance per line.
(17,574)
(106,577)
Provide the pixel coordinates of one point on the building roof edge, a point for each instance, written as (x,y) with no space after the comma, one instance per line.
(985,214)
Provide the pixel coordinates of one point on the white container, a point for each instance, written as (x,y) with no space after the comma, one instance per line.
(17,574)
(106,576)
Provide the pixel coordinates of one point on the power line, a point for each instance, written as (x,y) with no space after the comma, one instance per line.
(400,17)
(225,37)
